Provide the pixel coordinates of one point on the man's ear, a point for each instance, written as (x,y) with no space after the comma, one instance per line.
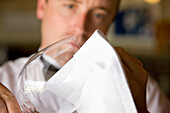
(41,6)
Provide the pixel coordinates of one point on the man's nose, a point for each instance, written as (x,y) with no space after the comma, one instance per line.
(80,22)
(80,25)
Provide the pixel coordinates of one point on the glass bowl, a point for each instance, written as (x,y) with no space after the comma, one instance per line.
(33,95)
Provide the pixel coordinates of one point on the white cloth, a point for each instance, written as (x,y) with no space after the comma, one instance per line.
(93,81)
(156,100)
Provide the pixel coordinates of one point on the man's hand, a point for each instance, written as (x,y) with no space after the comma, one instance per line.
(8,102)
(137,78)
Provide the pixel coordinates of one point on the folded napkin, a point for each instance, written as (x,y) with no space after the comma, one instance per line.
(93,81)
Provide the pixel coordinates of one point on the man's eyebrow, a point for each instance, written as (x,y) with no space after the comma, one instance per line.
(72,0)
(103,8)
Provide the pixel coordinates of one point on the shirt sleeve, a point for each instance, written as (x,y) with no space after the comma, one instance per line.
(9,73)
(157,102)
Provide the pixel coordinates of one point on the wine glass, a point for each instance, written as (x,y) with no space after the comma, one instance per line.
(33,94)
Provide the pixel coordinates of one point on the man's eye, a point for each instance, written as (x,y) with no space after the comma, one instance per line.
(69,6)
(99,15)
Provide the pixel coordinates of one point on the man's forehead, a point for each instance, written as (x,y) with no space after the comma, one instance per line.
(106,1)
(70,0)
(102,4)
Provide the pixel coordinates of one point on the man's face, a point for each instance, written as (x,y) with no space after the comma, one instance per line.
(79,18)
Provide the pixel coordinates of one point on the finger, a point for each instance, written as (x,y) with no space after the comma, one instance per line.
(132,63)
(9,100)
(3,108)
(128,74)
(138,61)
(126,69)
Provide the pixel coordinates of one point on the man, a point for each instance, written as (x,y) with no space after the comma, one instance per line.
(63,18)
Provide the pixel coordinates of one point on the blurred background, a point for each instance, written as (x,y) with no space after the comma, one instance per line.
(142,27)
